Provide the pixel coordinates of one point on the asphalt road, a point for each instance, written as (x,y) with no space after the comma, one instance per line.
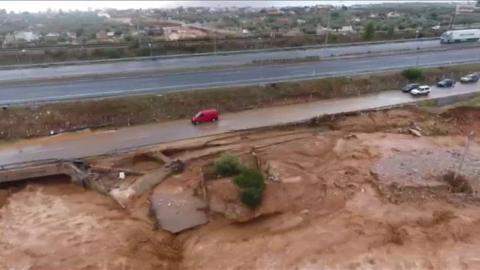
(70,146)
(208,61)
(93,88)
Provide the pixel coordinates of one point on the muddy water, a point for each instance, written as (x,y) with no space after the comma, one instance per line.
(53,224)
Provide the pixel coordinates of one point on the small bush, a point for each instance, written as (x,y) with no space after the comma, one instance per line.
(250,178)
(251,197)
(228,165)
(252,185)
(413,74)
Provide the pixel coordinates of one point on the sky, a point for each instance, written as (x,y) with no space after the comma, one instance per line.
(36,6)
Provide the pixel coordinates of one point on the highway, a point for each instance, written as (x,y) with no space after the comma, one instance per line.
(28,92)
(190,62)
(77,145)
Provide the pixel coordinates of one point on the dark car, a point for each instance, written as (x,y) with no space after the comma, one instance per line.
(446,83)
(470,78)
(409,87)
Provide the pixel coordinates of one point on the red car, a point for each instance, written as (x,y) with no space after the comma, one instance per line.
(205,116)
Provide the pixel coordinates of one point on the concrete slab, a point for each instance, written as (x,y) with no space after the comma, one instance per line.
(176,212)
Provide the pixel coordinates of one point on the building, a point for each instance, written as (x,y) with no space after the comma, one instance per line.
(103,14)
(52,36)
(465,9)
(102,35)
(123,20)
(393,14)
(20,37)
(182,32)
(346,29)
(320,30)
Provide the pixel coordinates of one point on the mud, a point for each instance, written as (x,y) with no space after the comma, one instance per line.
(53,224)
(367,195)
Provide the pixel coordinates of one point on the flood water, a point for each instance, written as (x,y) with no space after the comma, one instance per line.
(54,224)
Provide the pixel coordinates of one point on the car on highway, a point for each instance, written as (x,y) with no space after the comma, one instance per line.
(409,87)
(422,90)
(446,83)
(470,78)
(205,116)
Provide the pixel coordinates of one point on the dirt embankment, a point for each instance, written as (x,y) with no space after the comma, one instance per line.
(366,194)
(33,121)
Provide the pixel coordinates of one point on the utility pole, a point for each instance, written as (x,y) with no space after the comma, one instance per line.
(328,28)
(214,42)
(138,30)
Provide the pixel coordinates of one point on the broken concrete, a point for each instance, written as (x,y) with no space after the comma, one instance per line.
(176,212)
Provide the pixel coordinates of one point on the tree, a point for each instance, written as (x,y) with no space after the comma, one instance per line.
(369,31)
(391,30)
(251,184)
(79,32)
(478,3)
(227,165)
(413,74)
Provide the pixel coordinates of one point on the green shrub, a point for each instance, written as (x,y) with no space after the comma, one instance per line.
(249,178)
(251,197)
(252,185)
(228,165)
(413,74)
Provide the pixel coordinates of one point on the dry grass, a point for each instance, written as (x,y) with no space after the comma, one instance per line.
(25,122)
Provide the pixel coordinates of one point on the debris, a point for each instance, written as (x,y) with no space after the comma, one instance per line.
(178,212)
(350,136)
(121,175)
(415,132)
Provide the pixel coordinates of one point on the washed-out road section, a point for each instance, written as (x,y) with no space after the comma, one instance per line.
(72,146)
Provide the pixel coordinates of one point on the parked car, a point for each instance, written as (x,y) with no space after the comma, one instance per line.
(470,78)
(205,116)
(446,83)
(409,87)
(421,90)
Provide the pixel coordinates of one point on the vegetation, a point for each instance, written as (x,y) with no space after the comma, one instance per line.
(249,178)
(369,31)
(413,74)
(251,197)
(16,122)
(250,182)
(228,165)
(252,185)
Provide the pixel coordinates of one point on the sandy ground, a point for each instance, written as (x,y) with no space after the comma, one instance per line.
(365,195)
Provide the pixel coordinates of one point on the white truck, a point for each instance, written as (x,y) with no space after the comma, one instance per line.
(454,36)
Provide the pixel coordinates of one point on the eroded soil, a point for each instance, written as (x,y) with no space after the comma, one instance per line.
(365,195)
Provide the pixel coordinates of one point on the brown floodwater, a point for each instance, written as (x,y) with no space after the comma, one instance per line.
(54,224)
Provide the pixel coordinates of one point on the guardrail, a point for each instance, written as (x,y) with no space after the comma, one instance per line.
(143,58)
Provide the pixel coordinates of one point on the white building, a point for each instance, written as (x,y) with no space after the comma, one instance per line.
(346,29)
(103,14)
(19,37)
(393,14)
